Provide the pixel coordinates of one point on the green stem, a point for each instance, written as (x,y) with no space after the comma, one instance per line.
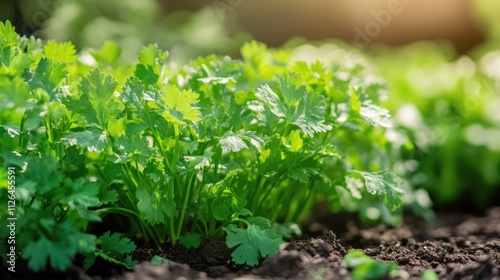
(300,207)
(176,149)
(184,206)
(21,132)
(48,127)
(146,231)
(255,190)
(118,210)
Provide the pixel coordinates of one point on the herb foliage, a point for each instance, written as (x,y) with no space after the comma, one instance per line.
(217,147)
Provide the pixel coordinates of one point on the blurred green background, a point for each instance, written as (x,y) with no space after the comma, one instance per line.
(440,59)
(221,26)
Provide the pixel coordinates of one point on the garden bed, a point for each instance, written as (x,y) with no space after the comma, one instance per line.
(459,247)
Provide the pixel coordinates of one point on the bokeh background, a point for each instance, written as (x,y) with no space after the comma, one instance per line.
(221,26)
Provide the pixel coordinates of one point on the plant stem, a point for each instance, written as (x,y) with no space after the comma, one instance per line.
(184,206)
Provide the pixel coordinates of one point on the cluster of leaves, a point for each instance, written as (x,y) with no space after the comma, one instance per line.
(364,267)
(55,194)
(448,108)
(215,147)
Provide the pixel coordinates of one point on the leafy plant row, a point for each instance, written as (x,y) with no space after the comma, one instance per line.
(448,107)
(241,148)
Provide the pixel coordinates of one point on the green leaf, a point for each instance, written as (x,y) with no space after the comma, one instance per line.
(376,116)
(83,192)
(355,102)
(222,207)
(47,76)
(12,130)
(302,173)
(8,35)
(190,240)
(252,243)
(42,172)
(179,105)
(97,101)
(133,94)
(298,107)
(271,99)
(232,143)
(155,207)
(111,51)
(198,162)
(112,248)
(252,138)
(152,55)
(39,252)
(291,89)
(14,158)
(89,260)
(296,143)
(384,183)
(159,260)
(65,241)
(133,147)
(364,267)
(309,115)
(62,52)
(288,230)
(125,261)
(92,139)
(13,62)
(146,74)
(116,243)
(429,275)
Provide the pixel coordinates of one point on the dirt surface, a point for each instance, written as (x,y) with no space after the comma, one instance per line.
(459,247)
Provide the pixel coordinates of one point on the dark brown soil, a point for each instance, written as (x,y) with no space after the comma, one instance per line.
(459,247)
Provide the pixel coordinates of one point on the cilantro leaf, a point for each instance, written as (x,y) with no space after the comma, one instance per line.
(364,267)
(92,139)
(113,248)
(82,195)
(47,76)
(270,98)
(298,106)
(39,252)
(96,102)
(58,249)
(309,115)
(146,74)
(375,115)
(115,243)
(155,206)
(291,89)
(111,51)
(8,35)
(354,101)
(178,105)
(232,143)
(252,243)
(159,260)
(132,147)
(13,62)
(384,183)
(133,94)
(152,55)
(190,240)
(296,143)
(62,52)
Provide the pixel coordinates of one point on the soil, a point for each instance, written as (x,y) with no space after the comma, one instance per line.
(458,247)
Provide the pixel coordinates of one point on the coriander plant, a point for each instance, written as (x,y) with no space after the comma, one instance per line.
(241,148)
